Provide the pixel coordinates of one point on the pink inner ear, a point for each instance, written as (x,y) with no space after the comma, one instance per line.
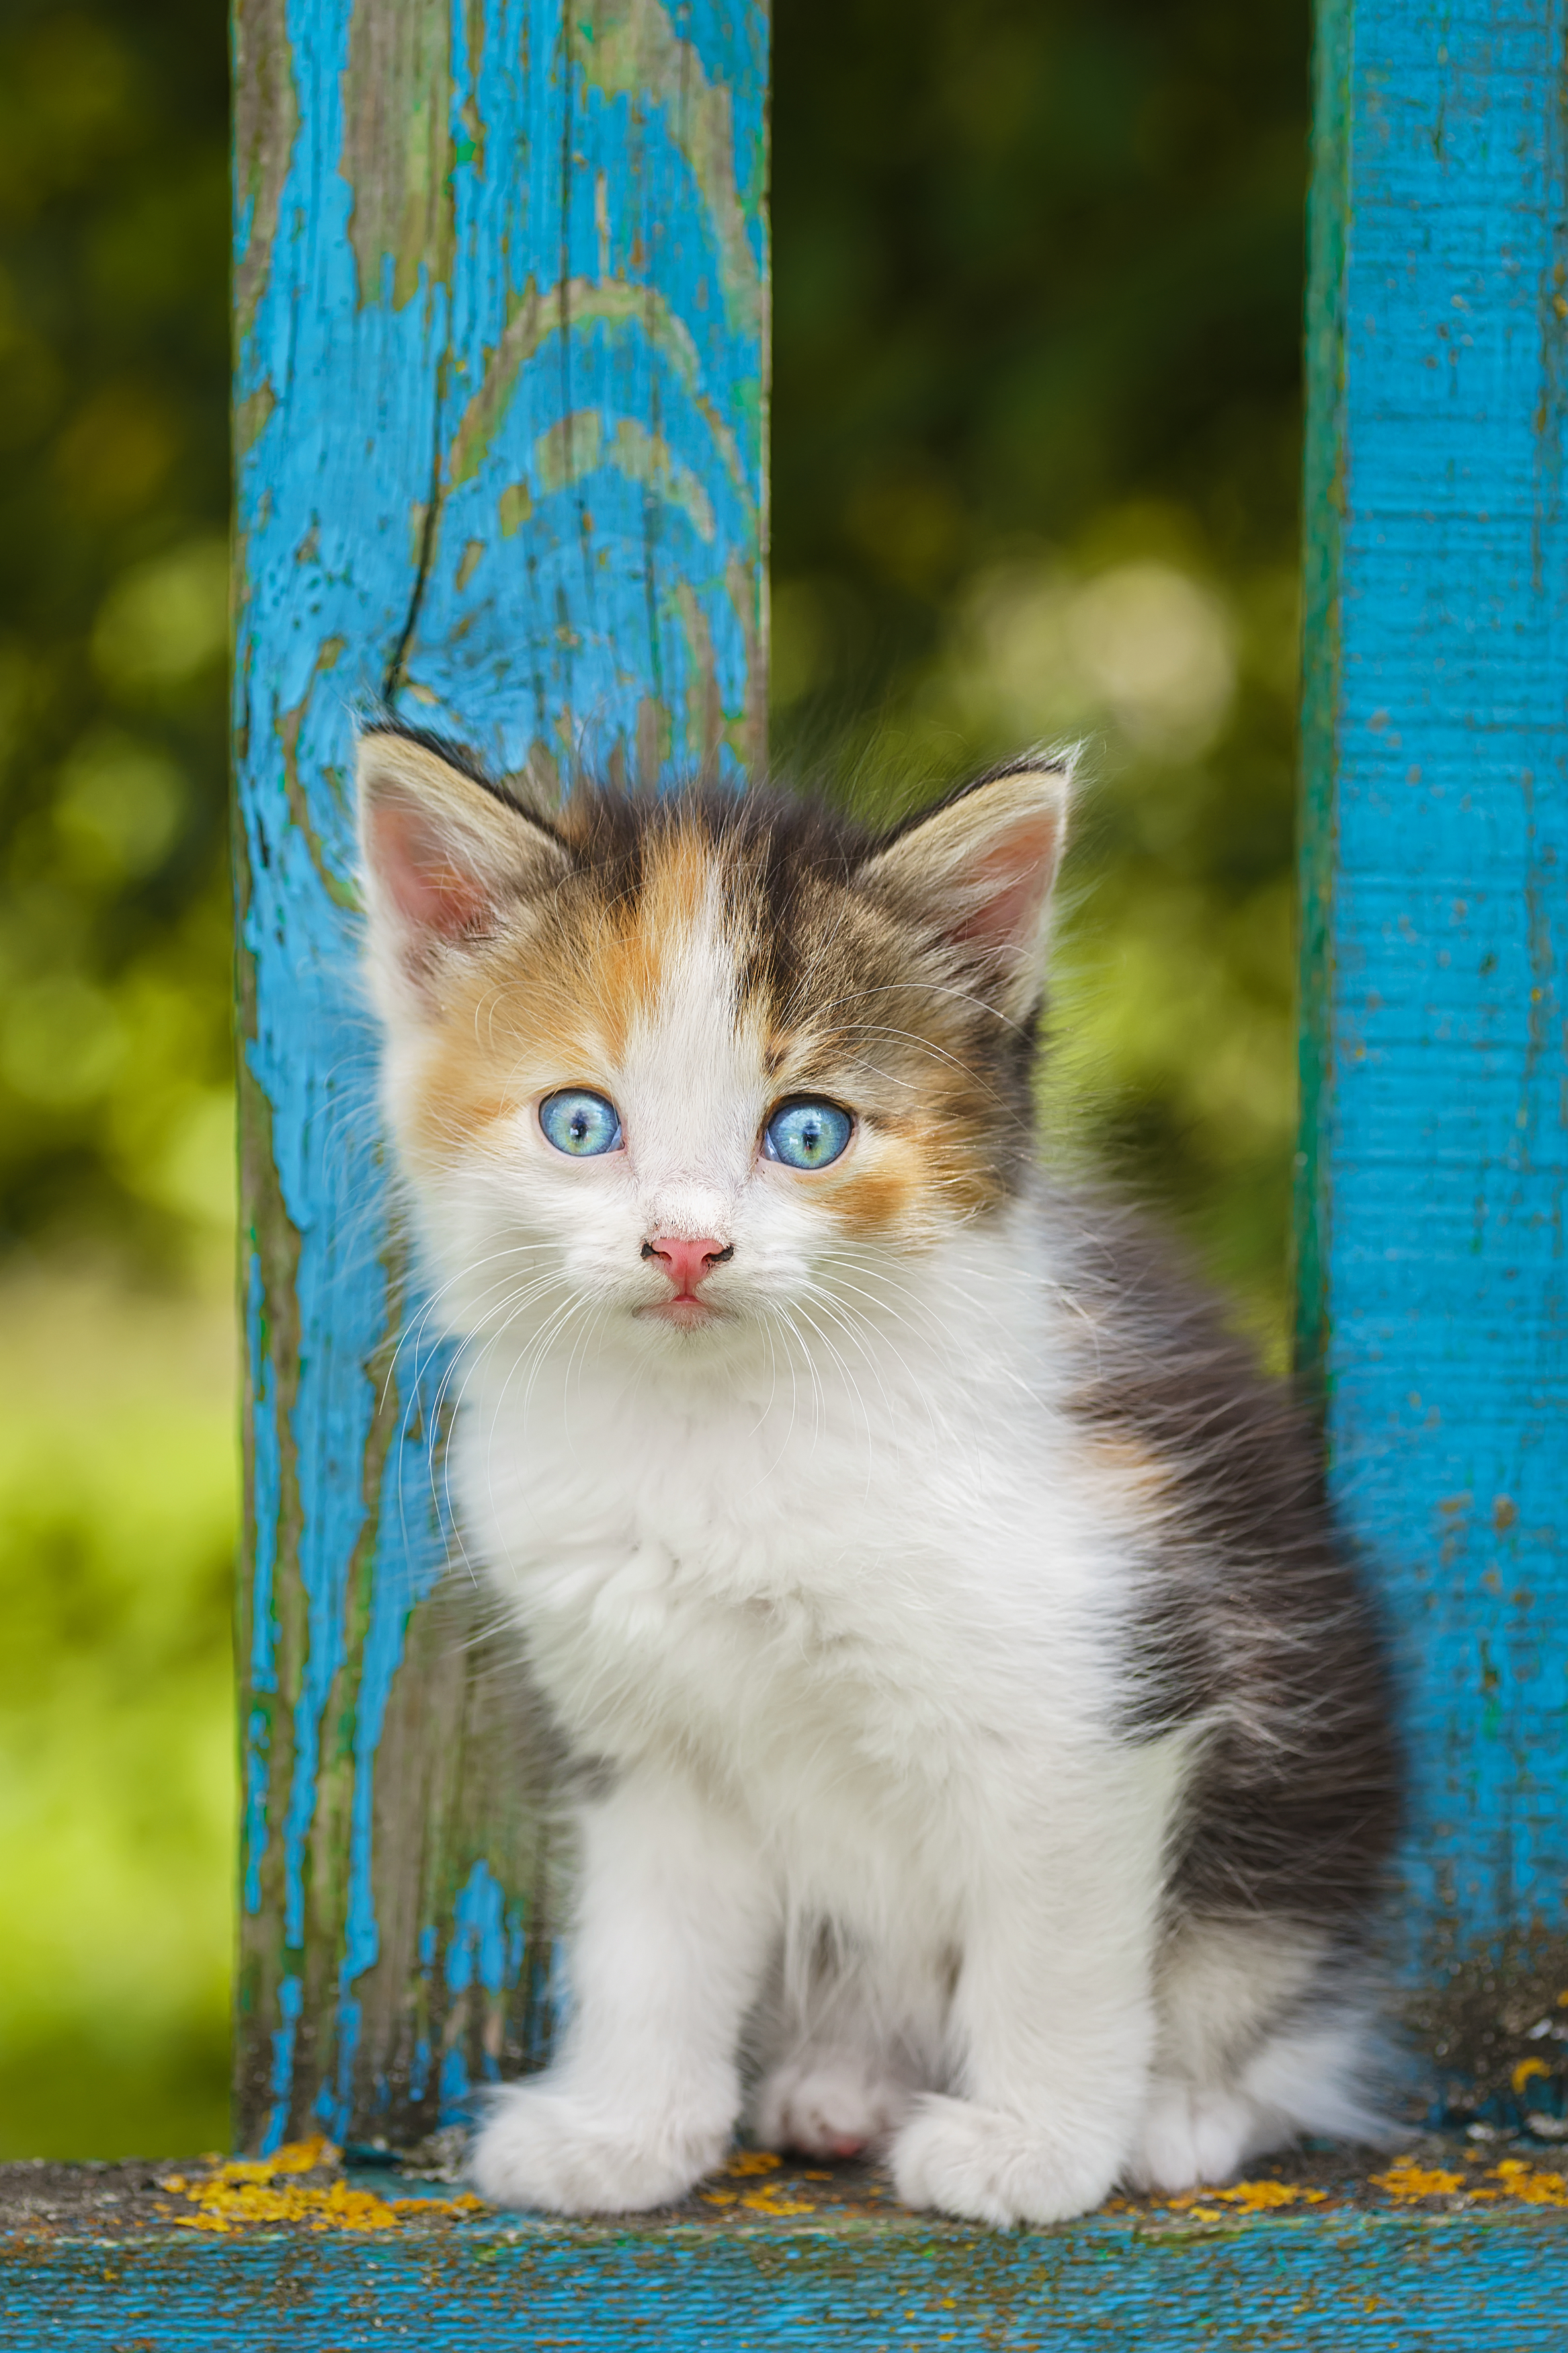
(427,885)
(1015,875)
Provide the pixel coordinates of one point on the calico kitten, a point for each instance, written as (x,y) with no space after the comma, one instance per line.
(987,1734)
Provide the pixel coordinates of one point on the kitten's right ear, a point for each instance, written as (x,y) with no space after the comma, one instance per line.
(441,855)
(983,863)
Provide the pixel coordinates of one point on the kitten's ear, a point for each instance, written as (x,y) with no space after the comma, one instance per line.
(441,855)
(984,864)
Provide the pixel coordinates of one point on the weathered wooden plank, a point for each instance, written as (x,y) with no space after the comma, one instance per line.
(1317,2252)
(1434,1292)
(1401,2284)
(501,336)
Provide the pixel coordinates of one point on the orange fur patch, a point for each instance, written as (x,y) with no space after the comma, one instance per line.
(552,999)
(885,1196)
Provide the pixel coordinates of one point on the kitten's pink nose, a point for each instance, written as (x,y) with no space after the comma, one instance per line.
(686,1264)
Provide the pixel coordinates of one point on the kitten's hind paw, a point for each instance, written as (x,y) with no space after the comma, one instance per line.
(1190,2137)
(989,2167)
(550,2149)
(828,2103)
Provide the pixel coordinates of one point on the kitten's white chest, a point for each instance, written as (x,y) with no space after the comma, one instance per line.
(679,1618)
(828,1630)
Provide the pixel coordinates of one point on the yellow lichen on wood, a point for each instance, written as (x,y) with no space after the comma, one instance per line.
(1249,2197)
(1532,2189)
(771,2201)
(1516,2178)
(268,2189)
(1258,2197)
(770,2198)
(1406,2177)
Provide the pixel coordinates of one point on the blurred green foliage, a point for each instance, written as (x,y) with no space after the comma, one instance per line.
(117,1471)
(1035,452)
(113,528)
(1037,287)
(117,1508)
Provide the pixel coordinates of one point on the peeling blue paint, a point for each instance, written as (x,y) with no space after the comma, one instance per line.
(257,1740)
(456,2093)
(477,1953)
(514,480)
(1437,843)
(1335,2283)
(334,2103)
(265,1487)
(422,1549)
(484,1954)
(290,2002)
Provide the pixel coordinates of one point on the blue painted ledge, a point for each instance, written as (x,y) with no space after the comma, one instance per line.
(113,2270)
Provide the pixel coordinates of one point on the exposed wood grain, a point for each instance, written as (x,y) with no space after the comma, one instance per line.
(1434,1285)
(501,313)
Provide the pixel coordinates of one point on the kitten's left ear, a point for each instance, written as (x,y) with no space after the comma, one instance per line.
(984,864)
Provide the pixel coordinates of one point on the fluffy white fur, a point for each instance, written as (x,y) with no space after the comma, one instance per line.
(832,1594)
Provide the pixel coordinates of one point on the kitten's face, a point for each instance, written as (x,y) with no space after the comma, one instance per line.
(698,1063)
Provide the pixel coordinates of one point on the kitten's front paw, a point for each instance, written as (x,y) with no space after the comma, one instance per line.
(551,2148)
(990,2167)
(828,2103)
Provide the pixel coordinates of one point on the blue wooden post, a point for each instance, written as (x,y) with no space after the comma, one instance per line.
(501,348)
(1434,1285)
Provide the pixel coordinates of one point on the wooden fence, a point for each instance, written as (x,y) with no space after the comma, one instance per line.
(501,322)
(1432,1284)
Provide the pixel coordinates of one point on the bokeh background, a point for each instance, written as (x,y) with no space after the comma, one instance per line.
(1036,453)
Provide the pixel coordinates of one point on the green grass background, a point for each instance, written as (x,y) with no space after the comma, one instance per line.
(1038,278)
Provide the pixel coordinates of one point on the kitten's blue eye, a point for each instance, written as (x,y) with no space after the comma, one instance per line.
(580,1123)
(807,1134)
